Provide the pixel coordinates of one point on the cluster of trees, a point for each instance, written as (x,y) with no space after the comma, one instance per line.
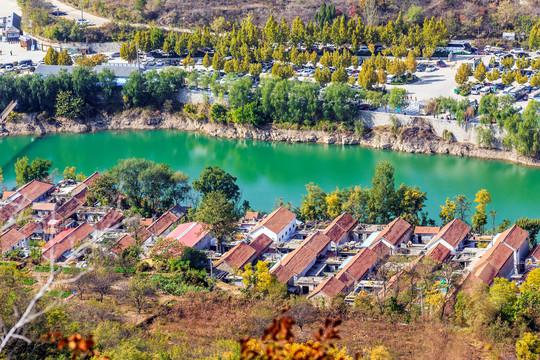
(522,130)
(376,205)
(73,95)
(70,93)
(284,101)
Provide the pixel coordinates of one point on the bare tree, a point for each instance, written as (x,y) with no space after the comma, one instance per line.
(137,292)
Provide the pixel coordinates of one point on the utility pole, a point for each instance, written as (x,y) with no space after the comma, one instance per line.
(211,274)
(82,16)
(421,300)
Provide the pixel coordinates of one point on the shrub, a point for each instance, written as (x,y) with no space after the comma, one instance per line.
(448,136)
(190,109)
(143,266)
(219,113)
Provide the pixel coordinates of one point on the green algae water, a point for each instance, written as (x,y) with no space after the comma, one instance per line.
(268,171)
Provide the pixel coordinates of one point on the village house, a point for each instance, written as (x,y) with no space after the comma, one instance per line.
(505,256)
(18,201)
(91,214)
(112,221)
(298,262)
(341,229)
(61,246)
(353,270)
(43,209)
(424,234)
(279,225)
(12,239)
(193,234)
(243,254)
(123,242)
(81,190)
(394,235)
(451,238)
(249,220)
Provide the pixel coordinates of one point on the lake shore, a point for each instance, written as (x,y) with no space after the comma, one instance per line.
(416,137)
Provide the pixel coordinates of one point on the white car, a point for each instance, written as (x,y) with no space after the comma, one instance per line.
(517,51)
(431,68)
(363,48)
(84,22)
(486,90)
(475,90)
(536,97)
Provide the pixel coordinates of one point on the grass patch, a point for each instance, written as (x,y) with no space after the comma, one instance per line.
(59,294)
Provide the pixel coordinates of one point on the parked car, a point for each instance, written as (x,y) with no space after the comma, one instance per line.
(441,63)
(431,68)
(536,97)
(486,90)
(475,90)
(58,13)
(500,86)
(516,50)
(421,67)
(84,22)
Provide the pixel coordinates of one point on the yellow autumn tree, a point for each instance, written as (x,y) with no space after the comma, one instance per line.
(258,281)
(333,202)
(448,211)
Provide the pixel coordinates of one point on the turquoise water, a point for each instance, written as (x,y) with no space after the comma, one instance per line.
(267,171)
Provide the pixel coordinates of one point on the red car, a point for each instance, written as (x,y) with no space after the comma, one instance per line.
(441,63)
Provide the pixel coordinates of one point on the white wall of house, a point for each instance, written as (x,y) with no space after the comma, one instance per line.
(285,234)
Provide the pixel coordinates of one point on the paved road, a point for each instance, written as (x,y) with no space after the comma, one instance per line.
(75,14)
(10,6)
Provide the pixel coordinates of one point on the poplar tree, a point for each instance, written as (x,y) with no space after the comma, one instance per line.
(480,72)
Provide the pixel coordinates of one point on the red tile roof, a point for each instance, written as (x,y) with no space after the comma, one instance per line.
(277,220)
(317,243)
(358,267)
(39,206)
(66,241)
(9,238)
(163,223)
(123,243)
(65,211)
(381,249)
(341,225)
(110,221)
(261,243)
(439,252)
(427,230)
(535,253)
(487,273)
(7,194)
(252,215)
(238,256)
(34,189)
(331,287)
(453,233)
(394,232)
(142,235)
(17,205)
(28,229)
(514,237)
(282,274)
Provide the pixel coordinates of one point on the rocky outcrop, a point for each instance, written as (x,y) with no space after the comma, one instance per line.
(416,137)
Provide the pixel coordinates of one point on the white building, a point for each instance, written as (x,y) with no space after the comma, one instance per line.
(280,225)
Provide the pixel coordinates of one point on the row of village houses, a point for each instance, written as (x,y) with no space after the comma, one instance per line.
(338,259)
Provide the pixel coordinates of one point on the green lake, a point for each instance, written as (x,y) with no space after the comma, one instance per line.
(268,171)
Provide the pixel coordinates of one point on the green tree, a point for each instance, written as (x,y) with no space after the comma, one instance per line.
(480,72)
(534,37)
(338,102)
(51,58)
(128,51)
(69,106)
(323,76)
(479,219)
(103,190)
(148,184)
(64,58)
(206,61)
(508,62)
(215,179)
(340,75)
(382,193)
(463,73)
(398,98)
(448,211)
(217,213)
(313,205)
(69,173)
(508,77)
(367,77)
(25,171)
(219,113)
(134,91)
